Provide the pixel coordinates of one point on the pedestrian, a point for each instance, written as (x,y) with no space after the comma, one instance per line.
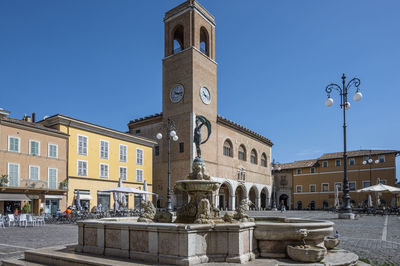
(99,207)
(283,208)
(86,206)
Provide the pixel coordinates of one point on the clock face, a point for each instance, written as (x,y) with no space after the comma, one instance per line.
(205,95)
(176,93)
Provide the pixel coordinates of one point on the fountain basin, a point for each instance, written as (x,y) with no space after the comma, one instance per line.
(168,243)
(194,186)
(274,234)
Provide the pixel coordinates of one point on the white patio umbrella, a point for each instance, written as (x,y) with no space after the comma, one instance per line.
(380,188)
(127,190)
(146,196)
(116,205)
(337,203)
(370,204)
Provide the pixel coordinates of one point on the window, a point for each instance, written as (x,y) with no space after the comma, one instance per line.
(104,149)
(253,156)
(228,148)
(139,175)
(325,187)
(52,175)
(104,170)
(382,181)
(241,174)
(381,158)
(82,145)
(13,174)
(122,173)
(352,161)
(352,185)
(53,150)
(264,160)
(339,186)
(122,152)
(139,157)
(298,189)
(312,188)
(181,147)
(34,147)
(82,168)
(157,150)
(242,153)
(366,184)
(312,170)
(325,164)
(13,144)
(298,171)
(338,162)
(34,172)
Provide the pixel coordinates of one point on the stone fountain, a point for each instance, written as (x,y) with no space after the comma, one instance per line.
(197,235)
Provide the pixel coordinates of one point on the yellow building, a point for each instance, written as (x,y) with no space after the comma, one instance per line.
(98,157)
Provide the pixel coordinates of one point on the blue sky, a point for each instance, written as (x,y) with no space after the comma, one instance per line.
(100,61)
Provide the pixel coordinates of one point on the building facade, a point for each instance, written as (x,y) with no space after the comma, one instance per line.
(282,187)
(34,160)
(98,157)
(234,155)
(314,180)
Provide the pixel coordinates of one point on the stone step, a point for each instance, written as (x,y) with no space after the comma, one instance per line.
(19,262)
(62,256)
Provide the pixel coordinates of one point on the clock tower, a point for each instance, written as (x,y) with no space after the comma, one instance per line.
(189,70)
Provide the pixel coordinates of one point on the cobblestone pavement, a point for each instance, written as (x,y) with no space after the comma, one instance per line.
(14,240)
(367,236)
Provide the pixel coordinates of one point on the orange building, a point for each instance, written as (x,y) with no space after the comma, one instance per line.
(33,163)
(314,180)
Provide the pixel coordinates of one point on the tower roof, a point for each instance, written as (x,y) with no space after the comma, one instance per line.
(186,6)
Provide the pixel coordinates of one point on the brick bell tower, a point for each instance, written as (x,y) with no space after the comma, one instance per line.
(190,77)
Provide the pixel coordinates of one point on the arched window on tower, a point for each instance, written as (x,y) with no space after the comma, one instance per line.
(253,156)
(228,149)
(204,42)
(178,39)
(242,153)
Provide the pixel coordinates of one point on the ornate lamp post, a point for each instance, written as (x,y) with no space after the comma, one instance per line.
(170,133)
(275,169)
(346,211)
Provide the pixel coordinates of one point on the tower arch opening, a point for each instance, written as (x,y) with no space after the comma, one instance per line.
(178,40)
(204,41)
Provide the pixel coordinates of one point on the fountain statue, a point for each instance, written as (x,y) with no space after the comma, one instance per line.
(198,185)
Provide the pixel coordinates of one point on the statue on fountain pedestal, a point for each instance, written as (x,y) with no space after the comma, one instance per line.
(198,168)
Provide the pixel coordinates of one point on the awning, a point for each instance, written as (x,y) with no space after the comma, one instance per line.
(85,197)
(53,196)
(13,197)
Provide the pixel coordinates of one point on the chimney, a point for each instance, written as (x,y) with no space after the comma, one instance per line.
(33,117)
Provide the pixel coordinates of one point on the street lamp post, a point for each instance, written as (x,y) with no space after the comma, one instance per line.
(346,211)
(370,162)
(170,133)
(275,168)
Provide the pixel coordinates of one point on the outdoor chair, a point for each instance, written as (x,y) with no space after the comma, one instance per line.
(22,220)
(40,220)
(11,220)
(30,219)
(2,220)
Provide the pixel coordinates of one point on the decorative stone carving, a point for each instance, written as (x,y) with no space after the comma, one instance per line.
(163,217)
(241,213)
(203,212)
(199,170)
(149,212)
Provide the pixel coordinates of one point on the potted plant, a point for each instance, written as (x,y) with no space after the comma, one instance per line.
(26,208)
(3,180)
(305,253)
(64,184)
